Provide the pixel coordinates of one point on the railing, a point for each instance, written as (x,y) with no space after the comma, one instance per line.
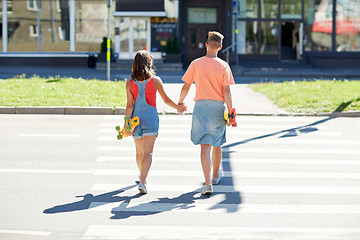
(227,49)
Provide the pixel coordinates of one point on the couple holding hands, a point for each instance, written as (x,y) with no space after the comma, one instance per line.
(212,77)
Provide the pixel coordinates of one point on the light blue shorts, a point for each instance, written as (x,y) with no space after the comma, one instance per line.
(208,123)
(148,126)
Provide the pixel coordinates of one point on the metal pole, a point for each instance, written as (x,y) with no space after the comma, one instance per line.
(72,15)
(108,53)
(38,25)
(4,26)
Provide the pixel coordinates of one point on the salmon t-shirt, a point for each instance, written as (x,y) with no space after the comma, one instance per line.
(210,75)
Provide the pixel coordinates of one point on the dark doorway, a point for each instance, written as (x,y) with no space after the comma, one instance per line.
(196,39)
(200,17)
(290,40)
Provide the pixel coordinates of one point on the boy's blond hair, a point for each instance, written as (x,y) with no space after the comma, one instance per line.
(215,39)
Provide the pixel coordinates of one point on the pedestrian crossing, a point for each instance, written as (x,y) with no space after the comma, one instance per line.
(284,178)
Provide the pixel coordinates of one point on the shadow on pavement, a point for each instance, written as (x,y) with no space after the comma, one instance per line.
(89,198)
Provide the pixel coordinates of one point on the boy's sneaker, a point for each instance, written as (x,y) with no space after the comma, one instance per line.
(208,189)
(216,180)
(142,188)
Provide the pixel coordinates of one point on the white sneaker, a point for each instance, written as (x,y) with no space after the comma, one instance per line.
(216,180)
(208,189)
(142,188)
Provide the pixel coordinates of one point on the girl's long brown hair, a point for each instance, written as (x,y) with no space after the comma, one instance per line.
(142,67)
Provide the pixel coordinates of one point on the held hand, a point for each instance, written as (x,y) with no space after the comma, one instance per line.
(129,133)
(181,108)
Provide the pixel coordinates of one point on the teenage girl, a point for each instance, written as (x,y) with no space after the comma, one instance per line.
(141,91)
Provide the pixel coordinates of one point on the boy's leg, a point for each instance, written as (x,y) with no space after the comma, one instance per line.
(148,147)
(206,162)
(216,160)
(139,145)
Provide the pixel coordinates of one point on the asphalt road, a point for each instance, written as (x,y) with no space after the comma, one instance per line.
(67,177)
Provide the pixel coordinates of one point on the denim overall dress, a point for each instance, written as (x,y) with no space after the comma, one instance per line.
(148,117)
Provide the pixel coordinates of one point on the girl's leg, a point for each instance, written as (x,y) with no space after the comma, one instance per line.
(139,145)
(206,162)
(148,146)
(216,160)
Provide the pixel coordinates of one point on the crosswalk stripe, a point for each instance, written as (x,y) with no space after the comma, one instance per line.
(242,189)
(187,126)
(211,233)
(241,132)
(196,149)
(182,118)
(286,141)
(157,206)
(236,160)
(242,174)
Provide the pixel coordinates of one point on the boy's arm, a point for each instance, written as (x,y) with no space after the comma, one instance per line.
(227,97)
(184,92)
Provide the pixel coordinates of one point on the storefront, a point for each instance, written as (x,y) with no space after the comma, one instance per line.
(319,32)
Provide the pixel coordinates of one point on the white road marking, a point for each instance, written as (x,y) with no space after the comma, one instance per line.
(235,160)
(48,135)
(242,208)
(46,171)
(238,149)
(24,232)
(272,140)
(243,189)
(211,233)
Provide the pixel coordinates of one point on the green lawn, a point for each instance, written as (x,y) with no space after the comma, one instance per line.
(36,91)
(313,96)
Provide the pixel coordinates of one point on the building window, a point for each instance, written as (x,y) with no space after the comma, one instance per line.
(291,9)
(248,8)
(9,6)
(348,26)
(270,8)
(33,31)
(318,25)
(202,15)
(32,5)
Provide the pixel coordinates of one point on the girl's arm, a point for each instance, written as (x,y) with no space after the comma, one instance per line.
(160,87)
(129,103)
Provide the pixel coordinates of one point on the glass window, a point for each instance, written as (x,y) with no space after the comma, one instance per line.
(23,31)
(248,8)
(269,38)
(139,34)
(91,25)
(270,8)
(124,34)
(348,26)
(247,37)
(318,25)
(291,9)
(202,15)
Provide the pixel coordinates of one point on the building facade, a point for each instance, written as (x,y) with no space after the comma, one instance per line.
(323,33)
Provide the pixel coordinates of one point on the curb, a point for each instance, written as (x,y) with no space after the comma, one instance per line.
(121,111)
(63,110)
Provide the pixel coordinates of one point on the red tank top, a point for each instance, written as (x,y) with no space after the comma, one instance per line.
(150,91)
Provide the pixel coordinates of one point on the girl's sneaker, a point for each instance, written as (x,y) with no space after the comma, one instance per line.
(216,180)
(142,188)
(208,189)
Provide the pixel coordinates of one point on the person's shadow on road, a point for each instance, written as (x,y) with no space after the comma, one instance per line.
(89,198)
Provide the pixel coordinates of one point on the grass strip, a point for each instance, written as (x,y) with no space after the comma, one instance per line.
(36,91)
(318,96)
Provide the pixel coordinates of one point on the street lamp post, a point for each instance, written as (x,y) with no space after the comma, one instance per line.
(108,52)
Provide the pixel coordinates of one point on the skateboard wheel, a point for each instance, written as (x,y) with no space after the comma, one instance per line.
(119,137)
(117,128)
